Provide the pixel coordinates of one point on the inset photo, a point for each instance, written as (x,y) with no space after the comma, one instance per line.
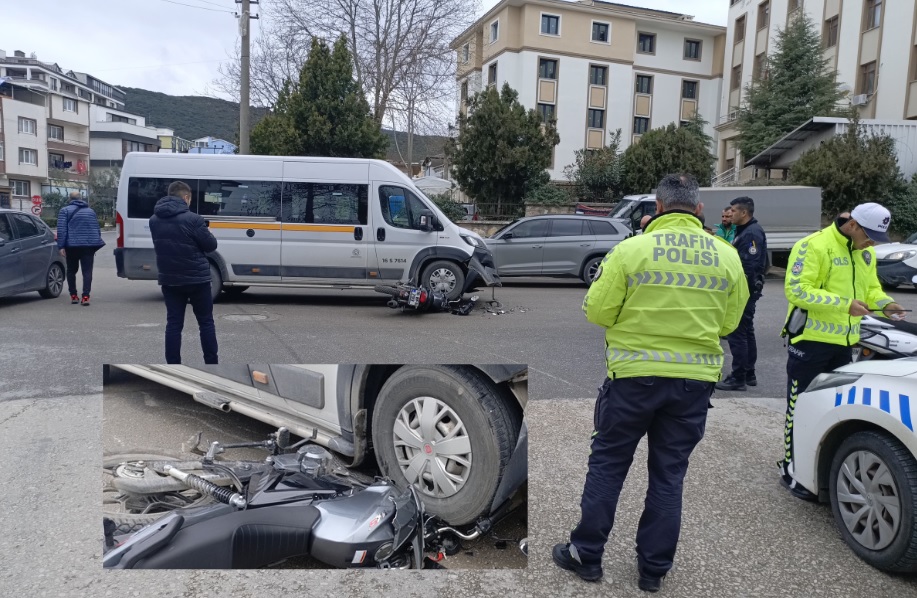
(315,466)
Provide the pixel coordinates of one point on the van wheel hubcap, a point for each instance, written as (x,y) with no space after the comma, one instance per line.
(442,280)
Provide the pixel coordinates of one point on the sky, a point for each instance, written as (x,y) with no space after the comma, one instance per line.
(171,46)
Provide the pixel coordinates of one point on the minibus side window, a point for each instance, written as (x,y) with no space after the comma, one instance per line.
(325,203)
(255,199)
(144,192)
(400,207)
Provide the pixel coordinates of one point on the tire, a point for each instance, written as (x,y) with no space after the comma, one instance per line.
(388,290)
(127,510)
(590,268)
(467,407)
(234,291)
(54,282)
(863,456)
(445,277)
(216,282)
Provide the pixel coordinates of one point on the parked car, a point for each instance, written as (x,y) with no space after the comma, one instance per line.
(896,264)
(855,447)
(555,245)
(29,259)
(456,432)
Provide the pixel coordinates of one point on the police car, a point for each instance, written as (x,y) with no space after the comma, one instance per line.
(855,447)
(896,264)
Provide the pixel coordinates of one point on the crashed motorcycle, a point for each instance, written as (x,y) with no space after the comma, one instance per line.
(251,514)
(882,338)
(422,299)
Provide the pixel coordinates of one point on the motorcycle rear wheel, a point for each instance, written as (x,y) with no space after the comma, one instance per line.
(130,512)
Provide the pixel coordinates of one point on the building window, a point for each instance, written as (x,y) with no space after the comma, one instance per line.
(596,119)
(831,31)
(873,14)
(764,14)
(22,188)
(464,92)
(492,74)
(1,151)
(28,156)
(134,146)
(117,118)
(689,90)
(644,84)
(547,68)
(28,126)
(641,125)
(600,32)
(692,49)
(868,78)
(736,82)
(55,132)
(494,31)
(546,111)
(69,105)
(740,29)
(598,75)
(466,52)
(793,6)
(646,43)
(57,161)
(550,25)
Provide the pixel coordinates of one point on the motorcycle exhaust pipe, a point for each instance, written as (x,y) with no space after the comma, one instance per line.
(223,495)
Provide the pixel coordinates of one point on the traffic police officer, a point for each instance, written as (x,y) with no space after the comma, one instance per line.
(751,243)
(831,284)
(665,298)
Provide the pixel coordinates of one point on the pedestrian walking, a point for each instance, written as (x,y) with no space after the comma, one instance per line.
(79,237)
(665,298)
(751,243)
(181,241)
(831,284)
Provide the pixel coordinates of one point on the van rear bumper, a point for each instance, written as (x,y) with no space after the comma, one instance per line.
(136,264)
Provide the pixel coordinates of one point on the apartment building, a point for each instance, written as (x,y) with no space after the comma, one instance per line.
(595,67)
(871,43)
(44,128)
(212,145)
(170,143)
(115,132)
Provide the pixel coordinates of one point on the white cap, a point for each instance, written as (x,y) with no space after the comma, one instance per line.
(874,219)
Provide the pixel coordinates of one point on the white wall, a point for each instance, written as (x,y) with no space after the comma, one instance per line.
(12,110)
(893,60)
(106,149)
(670,51)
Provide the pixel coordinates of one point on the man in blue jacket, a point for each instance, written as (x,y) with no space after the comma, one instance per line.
(78,239)
(181,241)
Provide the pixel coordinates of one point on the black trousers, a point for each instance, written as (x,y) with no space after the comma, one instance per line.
(672,413)
(77,257)
(805,361)
(177,299)
(742,343)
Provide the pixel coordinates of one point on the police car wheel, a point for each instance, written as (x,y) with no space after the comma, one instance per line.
(591,270)
(450,433)
(873,491)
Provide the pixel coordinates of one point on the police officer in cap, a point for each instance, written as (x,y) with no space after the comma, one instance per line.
(751,243)
(665,298)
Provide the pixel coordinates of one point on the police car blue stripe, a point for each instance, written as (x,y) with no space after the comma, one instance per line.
(852,395)
(905,402)
(867,396)
(838,398)
(884,402)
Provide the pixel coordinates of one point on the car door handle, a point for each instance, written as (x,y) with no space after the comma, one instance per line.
(536,246)
(358,233)
(380,234)
(15,249)
(585,244)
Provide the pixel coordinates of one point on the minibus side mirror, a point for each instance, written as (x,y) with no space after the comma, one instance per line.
(427,221)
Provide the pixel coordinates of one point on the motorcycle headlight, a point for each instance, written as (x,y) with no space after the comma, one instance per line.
(833,380)
(475,242)
(900,256)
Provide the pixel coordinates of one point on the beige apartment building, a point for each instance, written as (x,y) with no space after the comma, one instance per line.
(595,67)
(871,43)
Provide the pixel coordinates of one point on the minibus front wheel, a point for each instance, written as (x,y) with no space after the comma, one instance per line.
(445,277)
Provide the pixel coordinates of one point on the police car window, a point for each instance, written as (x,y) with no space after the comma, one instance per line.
(568,227)
(144,192)
(252,199)
(400,207)
(25,226)
(532,228)
(600,227)
(325,203)
(6,230)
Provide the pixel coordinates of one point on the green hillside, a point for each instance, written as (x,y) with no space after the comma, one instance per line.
(193,117)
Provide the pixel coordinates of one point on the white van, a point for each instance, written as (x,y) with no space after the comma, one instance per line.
(302,222)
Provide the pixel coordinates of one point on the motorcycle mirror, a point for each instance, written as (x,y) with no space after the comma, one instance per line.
(524,546)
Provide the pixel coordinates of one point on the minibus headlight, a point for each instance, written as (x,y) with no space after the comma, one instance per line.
(473,241)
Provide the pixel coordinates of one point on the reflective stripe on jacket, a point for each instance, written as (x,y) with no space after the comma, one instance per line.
(665,298)
(825,273)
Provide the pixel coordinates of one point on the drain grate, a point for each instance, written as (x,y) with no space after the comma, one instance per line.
(245,317)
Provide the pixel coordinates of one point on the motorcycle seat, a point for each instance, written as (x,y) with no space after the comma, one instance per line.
(902,325)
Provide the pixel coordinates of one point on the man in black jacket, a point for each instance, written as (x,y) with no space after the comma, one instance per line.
(751,243)
(181,240)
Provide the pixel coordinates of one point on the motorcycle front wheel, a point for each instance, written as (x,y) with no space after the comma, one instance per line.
(130,512)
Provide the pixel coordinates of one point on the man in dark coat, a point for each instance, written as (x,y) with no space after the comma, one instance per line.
(181,240)
(78,239)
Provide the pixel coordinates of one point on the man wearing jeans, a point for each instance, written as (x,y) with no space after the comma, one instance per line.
(665,298)
(181,240)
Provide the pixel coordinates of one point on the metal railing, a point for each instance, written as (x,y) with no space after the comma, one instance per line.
(725,177)
(499,211)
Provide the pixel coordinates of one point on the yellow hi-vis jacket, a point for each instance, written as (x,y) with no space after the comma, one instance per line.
(665,298)
(825,273)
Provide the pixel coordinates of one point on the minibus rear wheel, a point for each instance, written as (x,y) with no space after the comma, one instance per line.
(216,282)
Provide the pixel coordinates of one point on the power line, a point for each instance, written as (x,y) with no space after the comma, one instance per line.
(200,7)
(213,3)
(156,66)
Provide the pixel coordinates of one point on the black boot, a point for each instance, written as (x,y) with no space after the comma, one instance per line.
(731,383)
(750,378)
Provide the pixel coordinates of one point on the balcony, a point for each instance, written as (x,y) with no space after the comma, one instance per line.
(70,146)
(26,82)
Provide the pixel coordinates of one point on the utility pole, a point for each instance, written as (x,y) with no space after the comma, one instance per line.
(244,92)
